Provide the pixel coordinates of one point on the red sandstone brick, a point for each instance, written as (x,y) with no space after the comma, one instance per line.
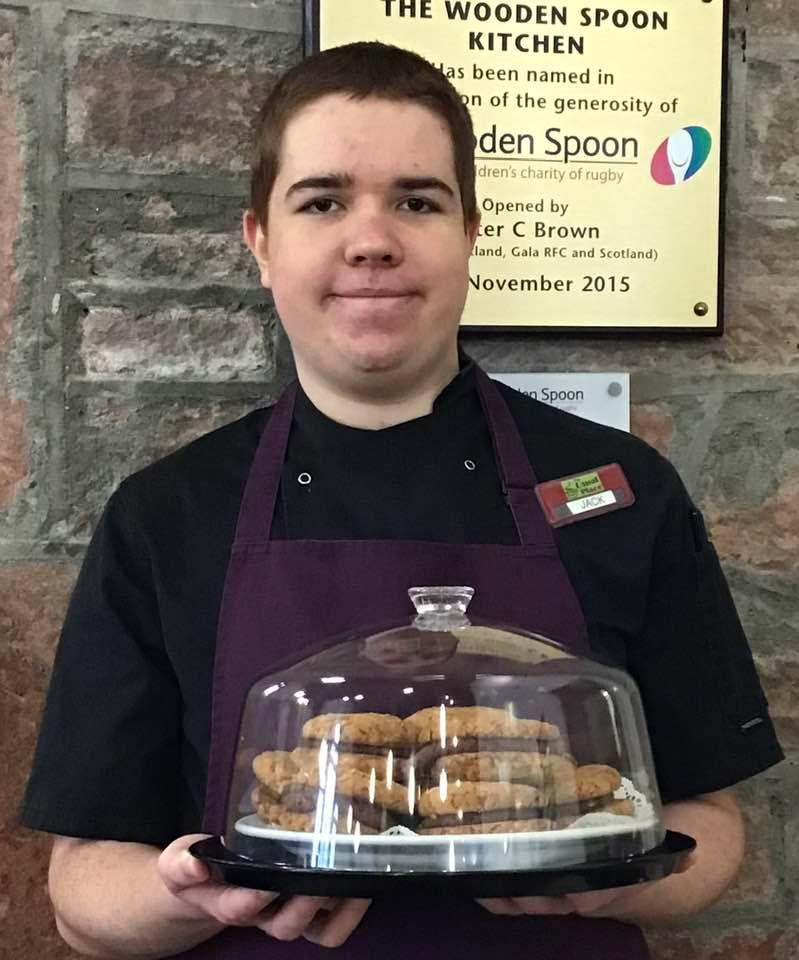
(13,449)
(32,602)
(765,535)
(780,679)
(743,943)
(167,97)
(653,424)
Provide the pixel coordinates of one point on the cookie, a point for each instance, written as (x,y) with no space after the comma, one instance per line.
(356,783)
(363,729)
(596,780)
(272,768)
(498,826)
(279,816)
(588,782)
(301,798)
(463,797)
(535,769)
(387,767)
(619,808)
(440,723)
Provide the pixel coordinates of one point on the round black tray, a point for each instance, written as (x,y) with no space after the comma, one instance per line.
(655,864)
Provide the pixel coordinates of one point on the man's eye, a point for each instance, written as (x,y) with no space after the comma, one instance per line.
(321,205)
(420,205)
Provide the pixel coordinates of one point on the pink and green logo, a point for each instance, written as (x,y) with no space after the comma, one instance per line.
(681,155)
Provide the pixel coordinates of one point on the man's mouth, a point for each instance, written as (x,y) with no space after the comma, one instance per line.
(375,293)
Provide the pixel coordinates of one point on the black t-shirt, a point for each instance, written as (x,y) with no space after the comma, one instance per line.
(123,748)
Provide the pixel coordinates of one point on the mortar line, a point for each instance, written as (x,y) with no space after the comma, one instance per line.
(691,463)
(48,19)
(86,177)
(271,19)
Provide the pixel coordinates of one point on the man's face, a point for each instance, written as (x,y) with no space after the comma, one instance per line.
(365,251)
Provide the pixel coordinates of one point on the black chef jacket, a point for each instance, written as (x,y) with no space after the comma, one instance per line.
(123,749)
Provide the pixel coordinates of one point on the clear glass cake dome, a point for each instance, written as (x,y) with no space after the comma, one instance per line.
(442,746)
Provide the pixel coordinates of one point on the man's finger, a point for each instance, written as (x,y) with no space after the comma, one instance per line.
(331,929)
(235,906)
(543,905)
(179,869)
(503,906)
(532,906)
(293,917)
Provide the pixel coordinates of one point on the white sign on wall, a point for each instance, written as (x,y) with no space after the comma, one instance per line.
(601,397)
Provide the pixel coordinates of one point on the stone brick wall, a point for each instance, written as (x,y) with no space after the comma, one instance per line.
(131,321)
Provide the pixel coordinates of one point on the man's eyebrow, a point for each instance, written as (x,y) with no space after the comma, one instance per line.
(340,181)
(330,181)
(423,183)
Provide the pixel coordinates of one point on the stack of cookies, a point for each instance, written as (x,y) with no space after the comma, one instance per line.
(495,773)
(350,769)
(444,770)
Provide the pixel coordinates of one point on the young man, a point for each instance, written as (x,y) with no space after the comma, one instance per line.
(378,469)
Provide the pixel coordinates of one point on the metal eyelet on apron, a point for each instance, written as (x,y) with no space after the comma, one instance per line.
(304,478)
(470,464)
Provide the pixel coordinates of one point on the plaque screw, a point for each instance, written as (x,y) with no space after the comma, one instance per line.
(700,309)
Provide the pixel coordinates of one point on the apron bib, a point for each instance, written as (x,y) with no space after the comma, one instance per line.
(281,597)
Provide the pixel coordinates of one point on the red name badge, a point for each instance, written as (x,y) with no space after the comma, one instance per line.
(584,495)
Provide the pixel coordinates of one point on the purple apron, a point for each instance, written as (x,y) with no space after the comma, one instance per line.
(282,596)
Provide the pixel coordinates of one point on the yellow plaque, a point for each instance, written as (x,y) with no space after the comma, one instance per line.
(599,145)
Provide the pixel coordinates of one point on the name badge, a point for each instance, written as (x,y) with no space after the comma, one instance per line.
(584,495)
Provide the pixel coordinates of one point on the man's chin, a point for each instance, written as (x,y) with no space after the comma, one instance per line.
(380,359)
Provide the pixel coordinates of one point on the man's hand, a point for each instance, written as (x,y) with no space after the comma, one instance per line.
(713,819)
(326,921)
(584,904)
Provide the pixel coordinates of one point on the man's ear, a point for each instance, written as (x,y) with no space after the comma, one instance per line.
(255,239)
(472,230)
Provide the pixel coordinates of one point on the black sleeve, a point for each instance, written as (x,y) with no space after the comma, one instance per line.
(108,756)
(705,708)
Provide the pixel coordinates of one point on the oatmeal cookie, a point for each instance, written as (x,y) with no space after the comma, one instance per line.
(383,764)
(435,723)
(536,769)
(272,768)
(497,826)
(463,796)
(357,783)
(379,729)
(279,816)
(589,782)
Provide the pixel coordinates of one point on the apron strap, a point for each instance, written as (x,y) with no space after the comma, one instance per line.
(260,494)
(515,470)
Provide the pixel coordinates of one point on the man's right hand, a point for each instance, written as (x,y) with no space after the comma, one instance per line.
(326,921)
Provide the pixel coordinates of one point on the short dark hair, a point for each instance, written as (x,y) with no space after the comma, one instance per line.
(361,70)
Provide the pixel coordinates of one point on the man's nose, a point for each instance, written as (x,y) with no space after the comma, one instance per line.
(372,240)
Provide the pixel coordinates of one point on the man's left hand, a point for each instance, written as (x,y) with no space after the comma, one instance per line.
(584,904)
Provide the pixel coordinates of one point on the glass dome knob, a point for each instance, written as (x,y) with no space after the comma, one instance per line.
(441,608)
